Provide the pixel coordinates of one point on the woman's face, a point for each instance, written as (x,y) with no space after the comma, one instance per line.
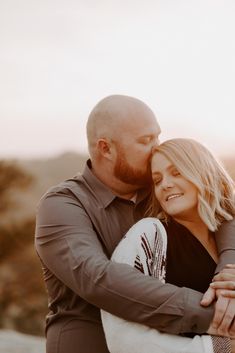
(177,196)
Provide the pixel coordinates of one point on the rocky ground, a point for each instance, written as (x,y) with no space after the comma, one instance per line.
(15,342)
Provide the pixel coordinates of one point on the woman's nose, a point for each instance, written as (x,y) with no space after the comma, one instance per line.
(167,183)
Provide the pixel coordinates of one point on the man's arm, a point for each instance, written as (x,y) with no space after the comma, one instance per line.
(225,240)
(68,245)
(224,312)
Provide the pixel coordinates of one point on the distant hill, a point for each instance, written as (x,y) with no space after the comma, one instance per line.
(46,173)
(55,169)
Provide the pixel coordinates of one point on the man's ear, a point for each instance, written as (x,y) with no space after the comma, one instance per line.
(105,147)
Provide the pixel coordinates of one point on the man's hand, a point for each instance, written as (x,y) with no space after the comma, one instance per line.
(224,280)
(223,321)
(222,289)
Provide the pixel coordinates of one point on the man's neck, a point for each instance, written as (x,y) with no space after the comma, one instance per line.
(119,188)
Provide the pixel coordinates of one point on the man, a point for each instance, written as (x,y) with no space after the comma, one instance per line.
(80,222)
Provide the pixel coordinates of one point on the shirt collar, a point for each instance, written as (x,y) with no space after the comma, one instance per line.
(105,195)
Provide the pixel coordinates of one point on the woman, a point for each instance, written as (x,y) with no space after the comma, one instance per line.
(192,196)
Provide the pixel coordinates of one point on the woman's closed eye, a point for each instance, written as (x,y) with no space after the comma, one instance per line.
(157,180)
(175,172)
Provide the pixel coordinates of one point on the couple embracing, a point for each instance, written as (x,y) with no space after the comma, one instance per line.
(166,213)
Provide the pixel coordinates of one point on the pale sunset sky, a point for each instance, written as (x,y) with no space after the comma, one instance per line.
(59,57)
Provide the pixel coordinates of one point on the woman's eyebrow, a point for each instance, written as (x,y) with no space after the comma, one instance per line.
(171,166)
(156,173)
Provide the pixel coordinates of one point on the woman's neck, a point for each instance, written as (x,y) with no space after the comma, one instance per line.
(196,226)
(200,230)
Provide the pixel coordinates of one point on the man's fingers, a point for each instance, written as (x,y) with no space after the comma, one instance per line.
(208,297)
(232,330)
(226,325)
(220,310)
(223,285)
(228,293)
(229,275)
(230,266)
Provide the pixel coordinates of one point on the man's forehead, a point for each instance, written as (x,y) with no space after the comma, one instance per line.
(149,130)
(136,125)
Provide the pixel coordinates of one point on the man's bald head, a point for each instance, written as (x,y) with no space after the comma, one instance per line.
(110,115)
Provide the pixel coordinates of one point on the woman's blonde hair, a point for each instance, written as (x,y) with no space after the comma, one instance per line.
(197,164)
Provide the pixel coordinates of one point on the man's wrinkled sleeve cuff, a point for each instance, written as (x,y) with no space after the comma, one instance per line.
(196,317)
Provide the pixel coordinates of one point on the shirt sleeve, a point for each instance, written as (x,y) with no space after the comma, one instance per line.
(225,240)
(69,247)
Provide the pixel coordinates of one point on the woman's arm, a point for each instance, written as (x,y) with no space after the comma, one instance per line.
(128,337)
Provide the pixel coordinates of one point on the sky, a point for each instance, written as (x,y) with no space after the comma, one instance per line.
(58,58)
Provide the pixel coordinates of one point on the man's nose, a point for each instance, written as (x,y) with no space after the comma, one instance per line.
(155,144)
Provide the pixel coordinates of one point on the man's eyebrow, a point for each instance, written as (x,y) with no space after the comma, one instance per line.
(147,136)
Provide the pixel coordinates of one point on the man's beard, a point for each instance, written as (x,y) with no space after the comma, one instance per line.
(129,175)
